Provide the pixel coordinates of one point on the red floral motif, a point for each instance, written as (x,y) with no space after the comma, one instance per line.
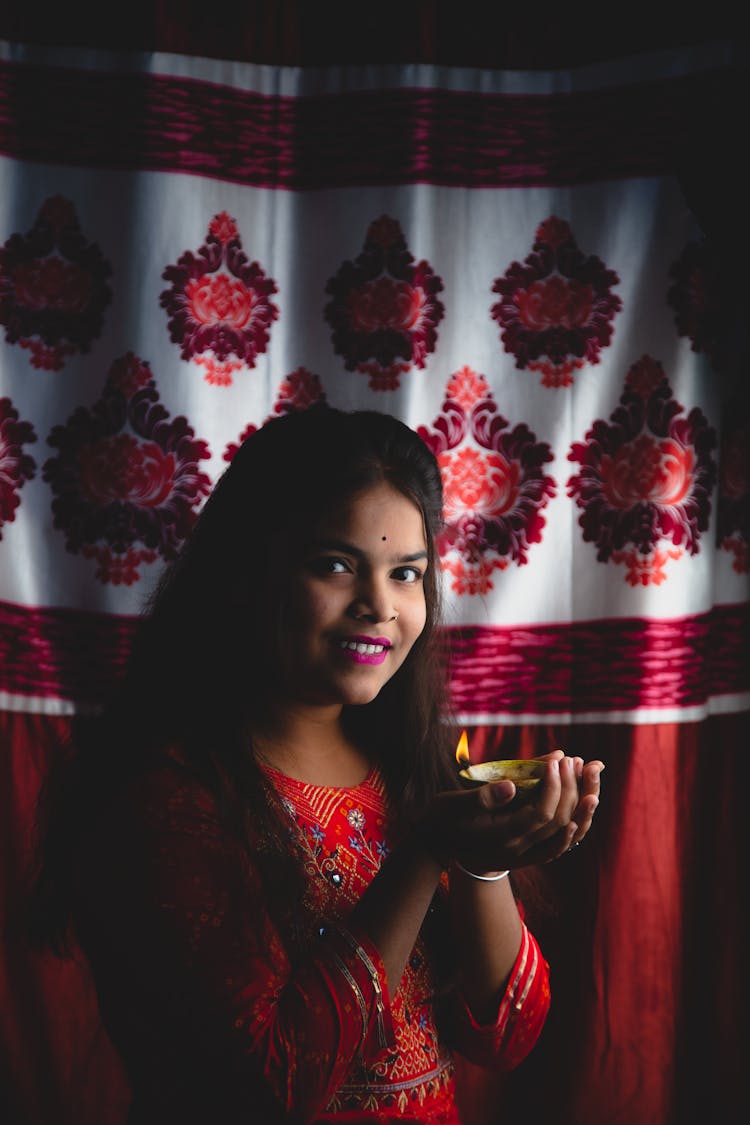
(556,310)
(554,301)
(645,570)
(118,570)
(384,310)
(733,524)
(465,387)
(121,468)
(701,296)
(297,391)
(219,300)
(126,480)
(494,485)
(128,375)
(645,479)
(384,303)
(53,289)
(644,376)
(483,484)
(16,467)
(52,284)
(648,470)
(218,305)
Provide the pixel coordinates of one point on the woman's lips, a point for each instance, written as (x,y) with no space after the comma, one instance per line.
(365,650)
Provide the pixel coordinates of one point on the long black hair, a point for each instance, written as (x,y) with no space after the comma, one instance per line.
(198,674)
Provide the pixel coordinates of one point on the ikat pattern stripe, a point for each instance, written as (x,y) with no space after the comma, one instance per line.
(605,666)
(62,653)
(132,120)
(601,666)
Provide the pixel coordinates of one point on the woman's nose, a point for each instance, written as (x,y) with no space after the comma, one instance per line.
(373,602)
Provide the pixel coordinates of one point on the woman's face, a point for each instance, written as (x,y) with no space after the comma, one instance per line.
(355,603)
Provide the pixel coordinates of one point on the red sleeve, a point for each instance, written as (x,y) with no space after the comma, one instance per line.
(520,1019)
(192,973)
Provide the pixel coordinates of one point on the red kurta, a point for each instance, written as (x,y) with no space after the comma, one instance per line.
(199,995)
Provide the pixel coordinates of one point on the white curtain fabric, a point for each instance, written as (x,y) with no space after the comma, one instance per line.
(188,246)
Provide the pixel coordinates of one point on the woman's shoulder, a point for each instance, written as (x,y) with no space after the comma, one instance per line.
(161,791)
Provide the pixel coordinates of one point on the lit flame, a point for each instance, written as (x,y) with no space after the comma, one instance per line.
(462,751)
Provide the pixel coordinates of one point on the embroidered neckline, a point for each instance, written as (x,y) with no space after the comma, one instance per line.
(372,780)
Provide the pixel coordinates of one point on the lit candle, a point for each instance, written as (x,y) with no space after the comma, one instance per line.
(525,773)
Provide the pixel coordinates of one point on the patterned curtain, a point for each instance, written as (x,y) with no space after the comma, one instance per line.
(517,263)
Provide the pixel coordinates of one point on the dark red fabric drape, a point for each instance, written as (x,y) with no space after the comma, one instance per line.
(643,928)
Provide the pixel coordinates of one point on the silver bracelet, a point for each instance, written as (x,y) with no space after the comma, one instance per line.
(482,878)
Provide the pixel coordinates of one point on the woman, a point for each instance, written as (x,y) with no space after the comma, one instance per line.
(261,845)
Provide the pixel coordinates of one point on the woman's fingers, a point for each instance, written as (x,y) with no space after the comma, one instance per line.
(487,829)
(588,802)
(551,756)
(563,813)
(584,817)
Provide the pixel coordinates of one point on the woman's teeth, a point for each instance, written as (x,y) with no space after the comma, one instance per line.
(357,646)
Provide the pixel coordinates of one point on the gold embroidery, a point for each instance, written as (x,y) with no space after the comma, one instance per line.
(342,832)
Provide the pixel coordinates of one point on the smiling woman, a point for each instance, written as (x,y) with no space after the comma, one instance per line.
(357,602)
(262,845)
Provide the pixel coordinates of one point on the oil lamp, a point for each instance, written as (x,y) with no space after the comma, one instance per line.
(525,773)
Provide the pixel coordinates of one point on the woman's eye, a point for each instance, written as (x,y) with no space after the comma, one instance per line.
(330,565)
(408,574)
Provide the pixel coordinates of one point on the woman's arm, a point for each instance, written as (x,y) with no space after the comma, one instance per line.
(488,930)
(485,915)
(484,834)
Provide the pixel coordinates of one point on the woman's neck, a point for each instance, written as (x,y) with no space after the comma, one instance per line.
(311,747)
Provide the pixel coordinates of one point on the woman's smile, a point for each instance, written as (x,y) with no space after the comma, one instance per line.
(366,650)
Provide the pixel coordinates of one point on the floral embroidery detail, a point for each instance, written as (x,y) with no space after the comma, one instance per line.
(646,478)
(733,524)
(125,475)
(372,851)
(700,298)
(494,484)
(556,309)
(53,287)
(327,820)
(356,818)
(16,467)
(218,304)
(319,860)
(384,310)
(297,391)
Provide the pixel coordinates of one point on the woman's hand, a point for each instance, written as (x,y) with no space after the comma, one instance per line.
(587,778)
(484,832)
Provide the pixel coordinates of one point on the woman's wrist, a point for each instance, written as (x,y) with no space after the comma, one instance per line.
(426,839)
(487,877)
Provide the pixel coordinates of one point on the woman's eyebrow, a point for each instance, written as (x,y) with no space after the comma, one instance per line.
(357,552)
